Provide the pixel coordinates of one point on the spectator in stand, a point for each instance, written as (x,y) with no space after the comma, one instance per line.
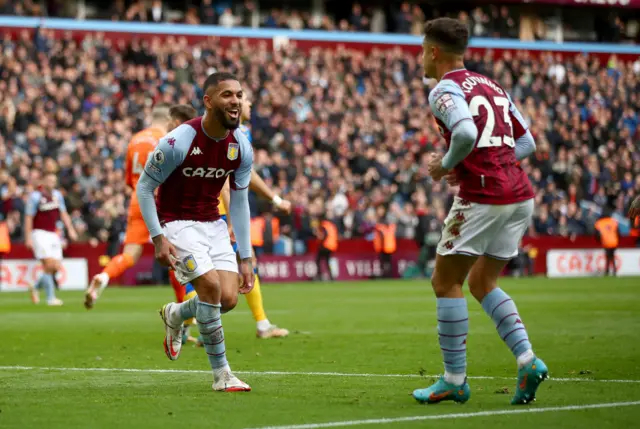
(137,11)
(358,21)
(248,12)
(227,19)
(295,22)
(156,12)
(403,19)
(192,17)
(117,10)
(208,12)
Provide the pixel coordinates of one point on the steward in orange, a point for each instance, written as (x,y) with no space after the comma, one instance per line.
(265,231)
(328,236)
(608,234)
(384,243)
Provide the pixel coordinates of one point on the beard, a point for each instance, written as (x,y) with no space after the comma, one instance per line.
(230,124)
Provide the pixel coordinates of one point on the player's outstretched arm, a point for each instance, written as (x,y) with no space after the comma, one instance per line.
(261,188)
(239,211)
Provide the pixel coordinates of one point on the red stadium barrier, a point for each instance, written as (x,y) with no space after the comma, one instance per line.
(355,259)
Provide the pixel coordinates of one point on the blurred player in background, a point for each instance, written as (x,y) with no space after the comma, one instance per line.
(486,137)
(136,235)
(189,167)
(45,207)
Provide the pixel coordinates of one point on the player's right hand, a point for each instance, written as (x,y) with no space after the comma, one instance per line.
(232,235)
(28,243)
(165,252)
(246,276)
(285,206)
(451,178)
(436,170)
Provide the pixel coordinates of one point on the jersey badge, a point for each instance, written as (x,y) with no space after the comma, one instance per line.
(232,151)
(190,263)
(158,157)
(445,104)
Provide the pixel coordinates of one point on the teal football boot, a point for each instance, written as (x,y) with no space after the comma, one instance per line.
(443,391)
(530,377)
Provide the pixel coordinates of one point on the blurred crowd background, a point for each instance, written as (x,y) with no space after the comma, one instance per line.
(341,133)
(524,19)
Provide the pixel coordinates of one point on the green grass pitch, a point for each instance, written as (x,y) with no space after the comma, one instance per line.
(356,352)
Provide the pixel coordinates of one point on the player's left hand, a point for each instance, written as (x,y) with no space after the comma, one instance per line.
(634,210)
(436,171)
(246,276)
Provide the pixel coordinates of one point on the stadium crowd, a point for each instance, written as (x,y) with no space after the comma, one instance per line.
(339,133)
(394,16)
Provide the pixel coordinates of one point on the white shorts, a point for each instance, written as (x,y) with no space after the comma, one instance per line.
(46,245)
(482,229)
(201,246)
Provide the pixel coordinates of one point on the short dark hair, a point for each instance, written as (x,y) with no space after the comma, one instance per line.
(451,34)
(182,112)
(215,78)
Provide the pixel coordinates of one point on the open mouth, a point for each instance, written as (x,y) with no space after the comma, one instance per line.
(233,113)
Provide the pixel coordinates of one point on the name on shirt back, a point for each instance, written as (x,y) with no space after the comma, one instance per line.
(469,83)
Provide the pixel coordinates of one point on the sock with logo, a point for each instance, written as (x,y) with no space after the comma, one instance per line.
(210,327)
(453,327)
(502,310)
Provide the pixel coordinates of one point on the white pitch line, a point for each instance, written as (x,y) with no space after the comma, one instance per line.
(291,373)
(454,416)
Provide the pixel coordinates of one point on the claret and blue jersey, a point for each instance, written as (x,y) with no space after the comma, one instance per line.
(486,136)
(190,168)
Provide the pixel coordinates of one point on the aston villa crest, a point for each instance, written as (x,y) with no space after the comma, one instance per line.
(232,151)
